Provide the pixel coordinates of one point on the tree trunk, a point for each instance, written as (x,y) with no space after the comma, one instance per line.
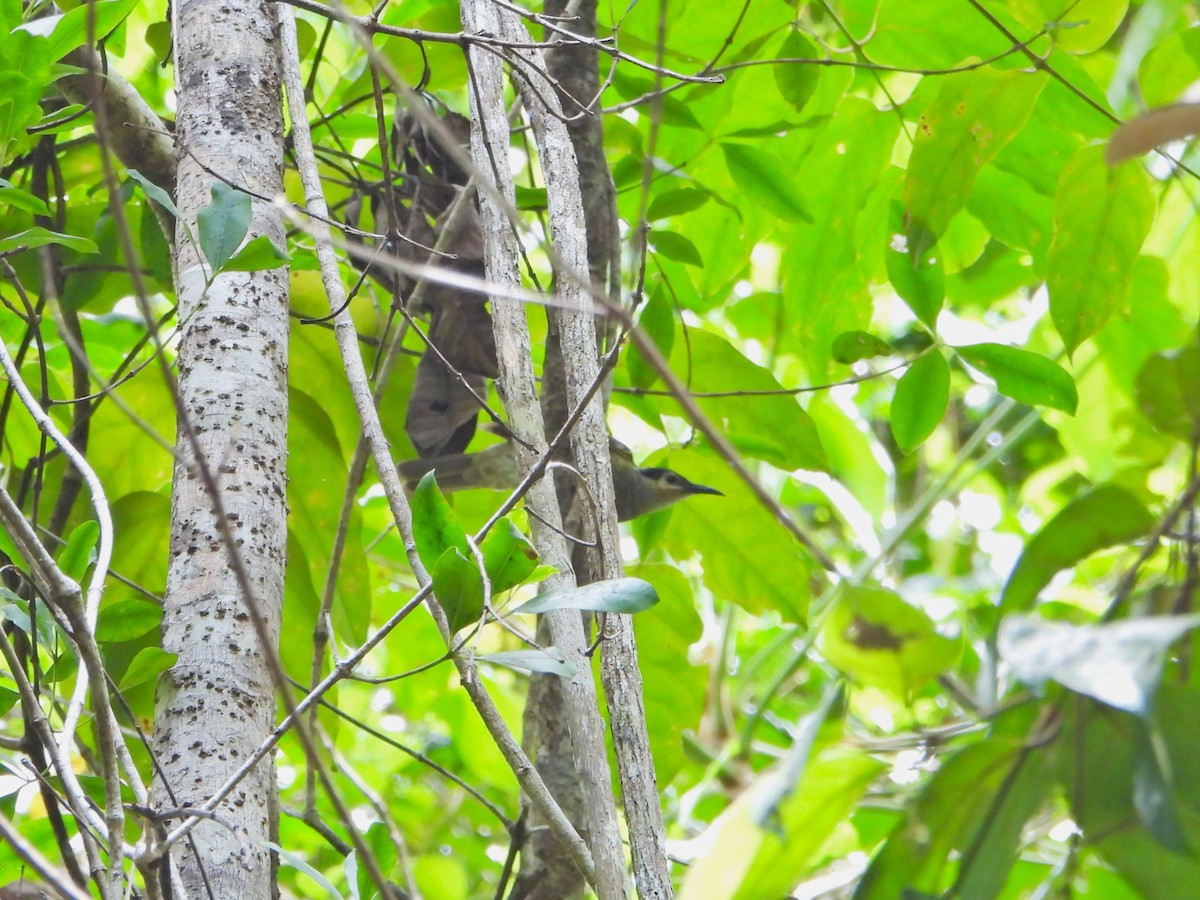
(228,528)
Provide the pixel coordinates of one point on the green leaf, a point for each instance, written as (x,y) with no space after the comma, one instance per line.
(1101,218)
(1118,663)
(8,699)
(508,556)
(677,247)
(943,846)
(547,662)
(851,346)
(1167,390)
(619,595)
(459,588)
(40,237)
(914,267)
(298,863)
(774,427)
(17,613)
(750,860)
(158,38)
(258,255)
(435,528)
(658,322)
(530,199)
(126,620)
(1106,516)
(69,31)
(877,639)
(154,192)
(1170,68)
(922,394)
(147,664)
(1023,375)
(765,180)
(677,202)
(379,841)
(797,81)
(1082,27)
(974,115)
(21,199)
(223,224)
(80,551)
(1155,790)
(1101,775)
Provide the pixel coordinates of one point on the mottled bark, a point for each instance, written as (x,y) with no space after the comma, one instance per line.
(216,705)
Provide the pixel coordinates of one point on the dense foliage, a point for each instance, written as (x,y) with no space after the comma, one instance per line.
(882,246)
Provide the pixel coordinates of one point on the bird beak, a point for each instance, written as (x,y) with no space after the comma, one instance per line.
(694,488)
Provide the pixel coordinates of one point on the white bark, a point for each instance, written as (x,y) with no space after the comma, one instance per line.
(489,146)
(216,706)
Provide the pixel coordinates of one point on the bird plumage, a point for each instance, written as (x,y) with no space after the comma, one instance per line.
(639,490)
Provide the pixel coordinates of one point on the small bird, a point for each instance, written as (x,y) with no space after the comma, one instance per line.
(639,490)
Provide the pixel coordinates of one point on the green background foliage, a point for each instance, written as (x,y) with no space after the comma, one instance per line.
(886,254)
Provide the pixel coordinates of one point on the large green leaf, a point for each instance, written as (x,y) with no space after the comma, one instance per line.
(1005,783)
(877,639)
(1024,376)
(1103,517)
(974,116)
(1101,217)
(922,394)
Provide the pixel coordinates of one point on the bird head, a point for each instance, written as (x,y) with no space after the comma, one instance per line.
(658,488)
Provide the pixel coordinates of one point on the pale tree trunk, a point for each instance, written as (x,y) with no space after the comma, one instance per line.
(228,529)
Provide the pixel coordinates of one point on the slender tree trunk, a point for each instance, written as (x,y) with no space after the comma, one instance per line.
(228,529)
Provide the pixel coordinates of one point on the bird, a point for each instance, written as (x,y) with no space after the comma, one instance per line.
(639,489)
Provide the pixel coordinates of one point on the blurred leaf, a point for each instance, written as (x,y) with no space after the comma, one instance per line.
(619,595)
(1100,774)
(765,180)
(676,202)
(1006,784)
(1101,217)
(922,394)
(70,30)
(852,346)
(1154,793)
(1170,68)
(1024,376)
(258,255)
(658,321)
(546,661)
(1168,391)
(37,236)
(1104,517)
(877,639)
(673,684)
(677,247)
(1118,663)
(146,665)
(126,620)
(974,115)
(21,199)
(748,860)
(297,862)
(79,554)
(797,81)
(914,266)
